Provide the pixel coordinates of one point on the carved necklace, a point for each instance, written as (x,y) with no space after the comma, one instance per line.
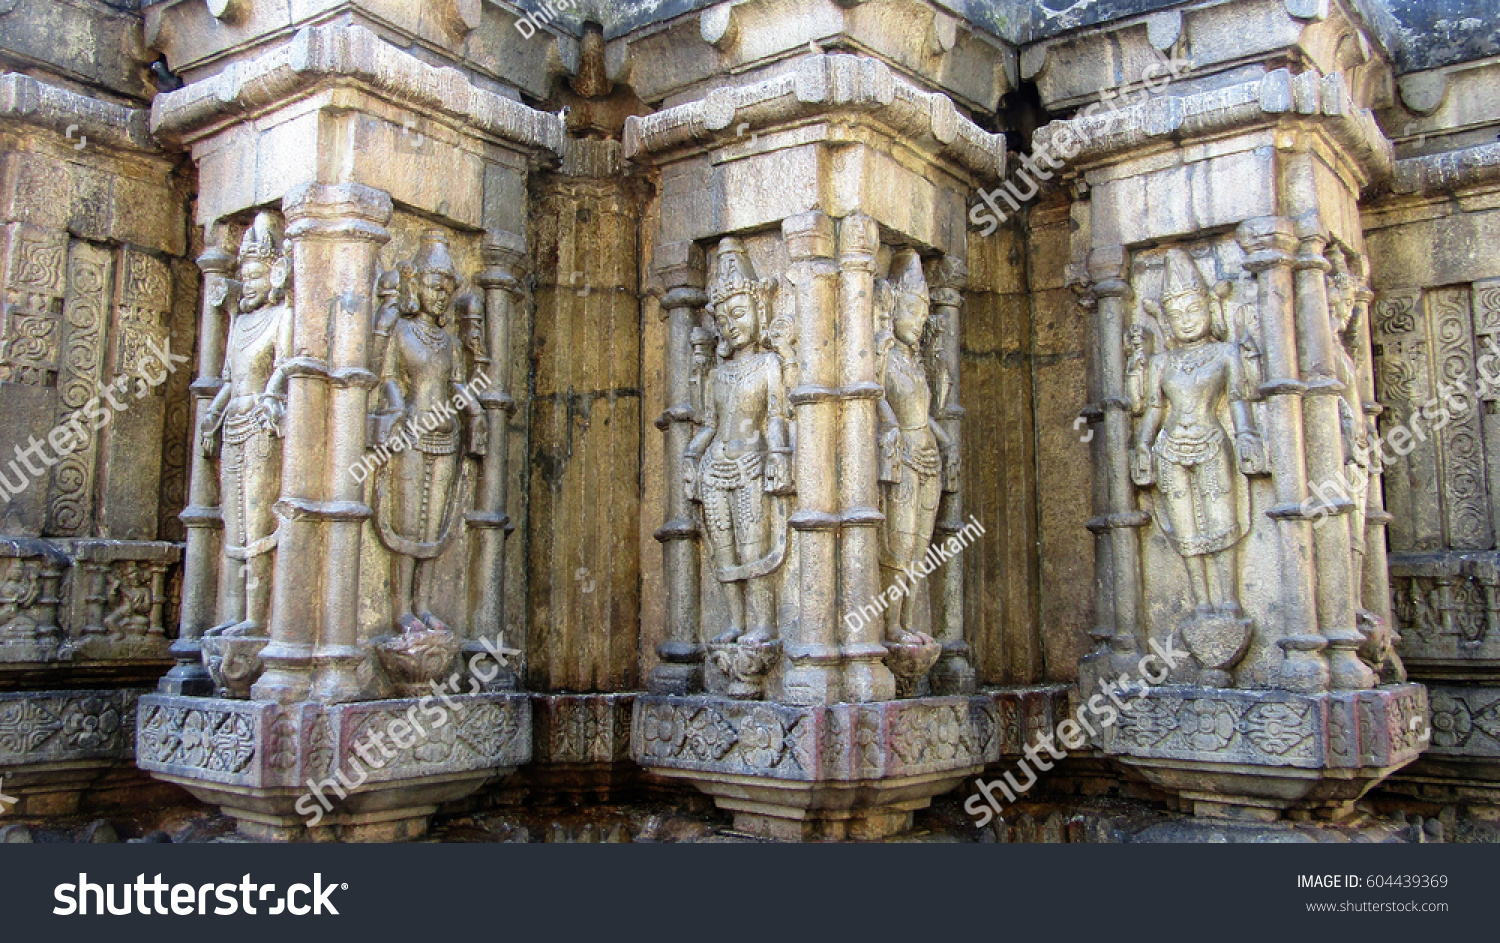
(1191,360)
(431,336)
(251,325)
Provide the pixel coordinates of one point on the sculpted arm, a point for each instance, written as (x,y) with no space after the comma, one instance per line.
(478,424)
(213,417)
(700,442)
(1149,426)
(778,432)
(273,398)
(1248,444)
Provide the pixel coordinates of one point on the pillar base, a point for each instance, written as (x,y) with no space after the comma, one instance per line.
(847,771)
(380,778)
(1252,755)
(59,744)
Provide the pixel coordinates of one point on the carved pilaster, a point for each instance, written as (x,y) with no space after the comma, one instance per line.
(334,233)
(680,266)
(812,674)
(859,500)
(505,258)
(1335,586)
(202,518)
(1270,243)
(1108,268)
(954,672)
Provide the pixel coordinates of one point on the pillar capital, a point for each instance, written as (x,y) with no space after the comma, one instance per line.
(680,265)
(810,235)
(346,211)
(1269,241)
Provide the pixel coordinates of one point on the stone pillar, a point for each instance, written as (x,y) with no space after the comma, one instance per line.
(1222,376)
(1269,243)
(360,504)
(334,233)
(852,452)
(1123,520)
(680,267)
(954,672)
(823,452)
(505,259)
(1336,579)
(202,517)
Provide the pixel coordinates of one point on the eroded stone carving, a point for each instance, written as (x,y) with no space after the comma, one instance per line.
(420,492)
(1181,381)
(918,460)
(738,468)
(243,425)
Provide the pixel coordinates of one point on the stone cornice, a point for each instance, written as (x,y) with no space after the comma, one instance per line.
(1276,96)
(23,98)
(1454,170)
(821,85)
(318,54)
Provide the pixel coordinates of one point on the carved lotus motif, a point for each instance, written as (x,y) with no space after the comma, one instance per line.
(90,723)
(1277,728)
(745,664)
(663,731)
(233,662)
(910,659)
(1451,721)
(762,739)
(709,736)
(417,657)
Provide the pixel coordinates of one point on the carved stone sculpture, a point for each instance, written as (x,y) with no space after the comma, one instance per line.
(244,426)
(737,466)
(916,458)
(419,493)
(1183,448)
(1347,297)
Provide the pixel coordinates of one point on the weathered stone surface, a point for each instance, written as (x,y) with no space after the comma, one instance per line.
(1229,752)
(887,444)
(849,770)
(262,762)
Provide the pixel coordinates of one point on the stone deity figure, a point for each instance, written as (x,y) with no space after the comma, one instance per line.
(1183,448)
(132,587)
(247,415)
(1354,426)
(914,448)
(740,457)
(1346,295)
(423,375)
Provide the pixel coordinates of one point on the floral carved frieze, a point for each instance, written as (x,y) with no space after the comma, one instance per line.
(55,726)
(1384,727)
(1465,721)
(845,742)
(259,744)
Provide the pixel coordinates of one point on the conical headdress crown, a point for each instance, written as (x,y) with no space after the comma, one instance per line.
(1183,277)
(433,255)
(733,274)
(907,276)
(262,242)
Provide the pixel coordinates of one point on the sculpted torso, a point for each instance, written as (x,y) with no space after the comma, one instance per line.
(425,357)
(251,355)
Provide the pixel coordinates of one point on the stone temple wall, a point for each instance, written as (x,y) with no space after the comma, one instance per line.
(783,411)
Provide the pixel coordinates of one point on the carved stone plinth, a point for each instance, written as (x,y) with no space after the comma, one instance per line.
(795,773)
(1252,754)
(382,767)
(1463,760)
(55,744)
(581,744)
